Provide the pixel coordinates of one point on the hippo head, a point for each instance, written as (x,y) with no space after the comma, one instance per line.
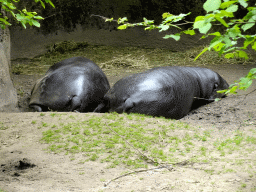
(219,84)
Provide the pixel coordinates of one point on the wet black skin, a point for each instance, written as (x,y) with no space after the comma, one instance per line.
(74,84)
(171,92)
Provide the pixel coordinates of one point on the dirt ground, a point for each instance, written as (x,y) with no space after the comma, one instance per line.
(25,166)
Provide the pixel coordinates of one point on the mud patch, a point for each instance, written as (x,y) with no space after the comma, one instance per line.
(234,111)
(17,167)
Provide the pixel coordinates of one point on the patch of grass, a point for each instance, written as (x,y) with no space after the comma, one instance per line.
(229,171)
(200,137)
(119,140)
(2,126)
(250,139)
(98,137)
(33,122)
(53,114)
(44,124)
(65,46)
(243,185)
(209,171)
(20,91)
(203,151)
(128,61)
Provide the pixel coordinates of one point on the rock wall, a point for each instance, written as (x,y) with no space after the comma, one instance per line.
(74,21)
(30,43)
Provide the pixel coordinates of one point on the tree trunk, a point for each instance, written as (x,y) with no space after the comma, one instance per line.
(8,95)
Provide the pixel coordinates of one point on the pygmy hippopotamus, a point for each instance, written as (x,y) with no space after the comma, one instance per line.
(72,84)
(169,92)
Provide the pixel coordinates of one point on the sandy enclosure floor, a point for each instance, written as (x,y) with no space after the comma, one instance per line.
(25,166)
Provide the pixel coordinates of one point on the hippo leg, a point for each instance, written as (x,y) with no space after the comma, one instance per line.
(126,107)
(128,104)
(36,108)
(101,108)
(75,104)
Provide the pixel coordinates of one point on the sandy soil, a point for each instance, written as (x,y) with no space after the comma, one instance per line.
(25,166)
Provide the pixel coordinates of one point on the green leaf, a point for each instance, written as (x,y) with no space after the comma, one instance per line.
(227,4)
(42,3)
(122,27)
(205,49)
(38,17)
(254,46)
(147,22)
(163,27)
(253,71)
(218,47)
(216,34)
(229,55)
(222,21)
(244,83)
(232,8)
(35,23)
(248,15)
(248,41)
(166,15)
(243,54)
(190,32)
(233,90)
(151,27)
(248,25)
(23,24)
(9,5)
(20,17)
(30,23)
(198,24)
(205,28)
(200,18)
(211,5)
(122,20)
(234,31)
(109,20)
(243,3)
(174,18)
(51,3)
(4,22)
(252,74)
(202,26)
(176,36)
(215,41)
(222,91)
(224,13)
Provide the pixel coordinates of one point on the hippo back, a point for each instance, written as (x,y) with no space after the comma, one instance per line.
(72,83)
(163,91)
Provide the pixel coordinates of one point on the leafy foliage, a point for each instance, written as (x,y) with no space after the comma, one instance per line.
(22,16)
(226,43)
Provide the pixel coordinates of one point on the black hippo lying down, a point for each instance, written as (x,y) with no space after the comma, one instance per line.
(165,91)
(72,84)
